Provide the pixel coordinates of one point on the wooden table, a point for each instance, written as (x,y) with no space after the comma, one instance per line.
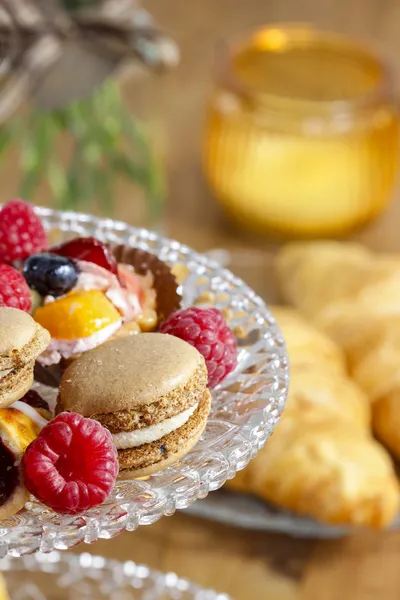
(250,566)
(253,565)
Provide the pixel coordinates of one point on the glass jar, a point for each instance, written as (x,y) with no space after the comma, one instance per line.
(302,133)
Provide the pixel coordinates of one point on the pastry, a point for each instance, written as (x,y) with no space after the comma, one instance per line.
(21,341)
(20,424)
(360,310)
(83,291)
(325,469)
(306,345)
(91,293)
(322,460)
(149,391)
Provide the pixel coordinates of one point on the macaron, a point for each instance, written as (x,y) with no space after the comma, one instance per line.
(149,390)
(21,342)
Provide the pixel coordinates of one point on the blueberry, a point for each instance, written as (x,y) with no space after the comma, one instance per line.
(50,274)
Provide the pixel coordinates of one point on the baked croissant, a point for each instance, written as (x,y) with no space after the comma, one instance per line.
(322,460)
(362,314)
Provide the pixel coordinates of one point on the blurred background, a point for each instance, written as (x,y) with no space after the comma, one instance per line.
(238,127)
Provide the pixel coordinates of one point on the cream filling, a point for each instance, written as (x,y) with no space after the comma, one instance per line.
(66,348)
(132,439)
(30,412)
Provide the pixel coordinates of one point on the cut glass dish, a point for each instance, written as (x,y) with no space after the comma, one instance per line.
(246,406)
(67,577)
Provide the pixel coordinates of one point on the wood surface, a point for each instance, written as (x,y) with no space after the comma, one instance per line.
(248,565)
(255,566)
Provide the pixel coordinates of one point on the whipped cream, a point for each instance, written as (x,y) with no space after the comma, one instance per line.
(66,348)
(93,277)
(5,373)
(132,439)
(30,412)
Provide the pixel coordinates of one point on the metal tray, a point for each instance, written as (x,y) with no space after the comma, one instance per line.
(252,514)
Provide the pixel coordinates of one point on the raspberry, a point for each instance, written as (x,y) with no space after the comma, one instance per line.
(89,249)
(72,465)
(206,330)
(14,290)
(21,232)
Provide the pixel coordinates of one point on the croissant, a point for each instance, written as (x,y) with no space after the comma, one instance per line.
(306,345)
(322,460)
(362,315)
(341,288)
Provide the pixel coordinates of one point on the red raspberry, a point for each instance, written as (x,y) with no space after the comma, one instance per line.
(206,330)
(72,465)
(89,249)
(14,290)
(21,232)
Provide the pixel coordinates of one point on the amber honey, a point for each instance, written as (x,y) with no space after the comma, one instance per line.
(302,133)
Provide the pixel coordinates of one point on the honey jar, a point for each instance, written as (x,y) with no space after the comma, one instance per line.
(302,133)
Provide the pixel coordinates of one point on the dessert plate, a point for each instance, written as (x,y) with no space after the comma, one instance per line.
(67,576)
(246,406)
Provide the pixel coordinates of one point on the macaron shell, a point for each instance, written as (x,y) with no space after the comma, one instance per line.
(38,340)
(127,373)
(177,445)
(15,385)
(17,329)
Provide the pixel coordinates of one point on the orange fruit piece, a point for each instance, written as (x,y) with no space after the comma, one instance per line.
(77,315)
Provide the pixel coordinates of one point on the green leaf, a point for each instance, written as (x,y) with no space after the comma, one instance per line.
(152,176)
(103,189)
(58,184)
(79,4)
(7,139)
(123,165)
(36,151)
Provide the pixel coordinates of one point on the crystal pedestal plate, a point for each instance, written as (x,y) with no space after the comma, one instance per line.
(245,408)
(58,576)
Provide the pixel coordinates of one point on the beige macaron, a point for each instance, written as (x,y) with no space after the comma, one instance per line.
(149,390)
(21,341)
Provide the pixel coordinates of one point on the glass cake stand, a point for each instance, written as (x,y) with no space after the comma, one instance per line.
(65,576)
(245,409)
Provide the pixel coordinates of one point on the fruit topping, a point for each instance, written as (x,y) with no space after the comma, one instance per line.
(72,465)
(14,290)
(130,280)
(50,275)
(9,475)
(77,315)
(36,300)
(206,330)
(90,250)
(21,232)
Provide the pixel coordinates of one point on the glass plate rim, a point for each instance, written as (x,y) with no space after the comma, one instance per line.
(237,443)
(123,572)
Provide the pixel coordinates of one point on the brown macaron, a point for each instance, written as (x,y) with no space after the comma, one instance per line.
(21,341)
(149,391)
